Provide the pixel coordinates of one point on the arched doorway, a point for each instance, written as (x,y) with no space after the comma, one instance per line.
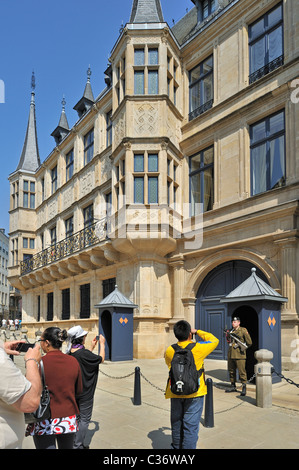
(211,315)
(106,324)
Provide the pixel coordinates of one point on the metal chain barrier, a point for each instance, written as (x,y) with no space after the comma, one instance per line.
(290,381)
(155,386)
(119,377)
(129,375)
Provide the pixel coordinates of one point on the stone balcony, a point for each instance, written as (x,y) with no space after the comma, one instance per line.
(86,249)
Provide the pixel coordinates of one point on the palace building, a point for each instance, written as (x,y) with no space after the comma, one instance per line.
(176,181)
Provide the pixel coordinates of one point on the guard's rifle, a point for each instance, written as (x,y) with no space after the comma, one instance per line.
(230,336)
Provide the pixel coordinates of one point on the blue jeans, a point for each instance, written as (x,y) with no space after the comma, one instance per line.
(185,418)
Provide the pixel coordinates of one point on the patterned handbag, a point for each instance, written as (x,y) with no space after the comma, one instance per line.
(43,411)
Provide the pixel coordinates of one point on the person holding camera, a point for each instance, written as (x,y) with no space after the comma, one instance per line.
(64,382)
(19,394)
(186,407)
(89,363)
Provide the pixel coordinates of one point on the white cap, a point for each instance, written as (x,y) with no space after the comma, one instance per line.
(76,332)
(73,333)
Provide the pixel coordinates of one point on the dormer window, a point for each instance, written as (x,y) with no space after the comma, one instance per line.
(208,7)
(205,8)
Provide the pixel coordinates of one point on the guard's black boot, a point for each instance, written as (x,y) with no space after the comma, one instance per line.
(243,393)
(231,389)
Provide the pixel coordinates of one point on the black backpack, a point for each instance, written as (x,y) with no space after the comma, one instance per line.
(183,375)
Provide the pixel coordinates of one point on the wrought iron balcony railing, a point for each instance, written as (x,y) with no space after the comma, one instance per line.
(266,69)
(85,238)
(200,110)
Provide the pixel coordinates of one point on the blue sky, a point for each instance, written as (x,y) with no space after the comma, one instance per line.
(58,39)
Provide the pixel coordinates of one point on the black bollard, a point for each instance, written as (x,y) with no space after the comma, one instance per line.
(137,387)
(209,407)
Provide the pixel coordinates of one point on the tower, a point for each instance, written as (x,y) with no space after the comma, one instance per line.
(23,198)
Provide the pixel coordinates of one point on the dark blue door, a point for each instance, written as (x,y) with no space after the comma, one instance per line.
(210,314)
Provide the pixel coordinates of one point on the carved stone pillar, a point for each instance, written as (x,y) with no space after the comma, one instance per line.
(289,315)
(288,274)
(178,287)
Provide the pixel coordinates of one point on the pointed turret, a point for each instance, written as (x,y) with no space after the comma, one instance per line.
(63,127)
(87,99)
(146,11)
(30,159)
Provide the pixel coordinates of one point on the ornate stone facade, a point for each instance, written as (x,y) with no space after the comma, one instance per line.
(175,127)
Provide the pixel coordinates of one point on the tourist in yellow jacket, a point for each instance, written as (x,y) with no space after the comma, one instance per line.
(186,410)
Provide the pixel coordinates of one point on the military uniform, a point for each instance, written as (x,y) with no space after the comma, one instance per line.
(237,358)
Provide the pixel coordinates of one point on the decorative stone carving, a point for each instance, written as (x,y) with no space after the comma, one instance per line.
(146,120)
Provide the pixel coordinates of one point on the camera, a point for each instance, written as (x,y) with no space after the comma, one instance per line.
(23,347)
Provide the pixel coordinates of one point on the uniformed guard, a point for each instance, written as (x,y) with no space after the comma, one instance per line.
(239,340)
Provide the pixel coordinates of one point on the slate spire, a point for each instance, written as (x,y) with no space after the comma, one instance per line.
(63,126)
(30,159)
(87,99)
(146,11)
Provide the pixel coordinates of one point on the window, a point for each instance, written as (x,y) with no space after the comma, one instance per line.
(172,77)
(108,286)
(153,56)
(38,308)
(29,194)
(88,146)
(139,57)
(153,190)
(69,162)
(66,309)
(15,195)
(208,7)
(146,63)
(43,188)
(50,306)
(54,179)
(153,162)
(267,146)
(109,128)
(139,82)
(69,227)
(139,163)
(120,77)
(31,243)
(153,85)
(201,88)
(172,183)
(266,44)
(53,235)
(201,179)
(138,190)
(145,180)
(85,301)
(88,216)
